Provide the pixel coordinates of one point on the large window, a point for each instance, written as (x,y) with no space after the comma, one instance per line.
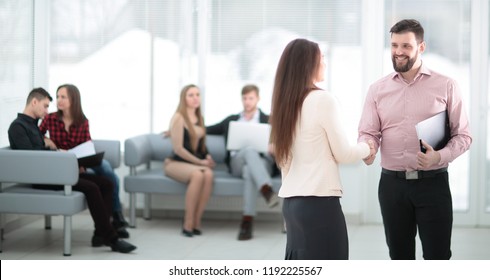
(129,59)
(487,167)
(133,57)
(247,38)
(16,60)
(447,35)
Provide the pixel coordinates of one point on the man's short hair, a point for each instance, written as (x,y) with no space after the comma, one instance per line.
(409,25)
(248,88)
(38,93)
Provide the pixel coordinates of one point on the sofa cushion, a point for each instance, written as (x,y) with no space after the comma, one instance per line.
(23,199)
(155,181)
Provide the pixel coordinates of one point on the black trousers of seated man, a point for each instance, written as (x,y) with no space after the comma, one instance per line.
(424,204)
(98,193)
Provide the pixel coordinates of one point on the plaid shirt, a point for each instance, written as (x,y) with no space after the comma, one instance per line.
(77,135)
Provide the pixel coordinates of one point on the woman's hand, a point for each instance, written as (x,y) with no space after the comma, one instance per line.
(208,161)
(49,143)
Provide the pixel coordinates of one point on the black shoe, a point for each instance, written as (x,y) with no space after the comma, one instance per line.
(187,233)
(122,233)
(118,220)
(196,231)
(270,196)
(122,246)
(97,241)
(245,230)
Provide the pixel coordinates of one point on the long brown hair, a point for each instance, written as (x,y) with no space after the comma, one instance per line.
(182,109)
(75,104)
(295,78)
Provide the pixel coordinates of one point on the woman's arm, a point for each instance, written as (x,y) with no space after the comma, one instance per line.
(342,150)
(85,132)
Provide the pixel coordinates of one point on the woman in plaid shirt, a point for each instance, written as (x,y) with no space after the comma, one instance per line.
(68,128)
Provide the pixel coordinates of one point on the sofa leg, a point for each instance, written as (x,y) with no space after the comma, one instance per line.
(47,222)
(2,226)
(132,210)
(146,210)
(67,236)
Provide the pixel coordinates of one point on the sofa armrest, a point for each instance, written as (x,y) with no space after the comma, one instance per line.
(137,150)
(111,149)
(38,167)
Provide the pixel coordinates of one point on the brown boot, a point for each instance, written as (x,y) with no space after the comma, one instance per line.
(246,228)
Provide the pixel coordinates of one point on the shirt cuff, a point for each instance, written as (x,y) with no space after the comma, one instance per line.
(445,156)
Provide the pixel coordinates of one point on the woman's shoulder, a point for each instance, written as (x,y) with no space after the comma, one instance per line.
(321,96)
(177,118)
(52,116)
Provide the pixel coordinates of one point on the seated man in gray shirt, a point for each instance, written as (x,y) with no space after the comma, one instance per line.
(254,167)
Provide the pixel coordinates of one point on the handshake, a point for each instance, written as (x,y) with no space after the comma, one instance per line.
(372,153)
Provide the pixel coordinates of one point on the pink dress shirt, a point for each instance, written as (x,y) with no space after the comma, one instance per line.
(394,106)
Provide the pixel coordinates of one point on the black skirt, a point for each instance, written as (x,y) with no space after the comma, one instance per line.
(316,228)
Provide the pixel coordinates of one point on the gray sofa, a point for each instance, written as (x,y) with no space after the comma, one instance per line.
(19,169)
(140,151)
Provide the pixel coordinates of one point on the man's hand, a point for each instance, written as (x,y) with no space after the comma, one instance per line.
(372,153)
(430,158)
(165,133)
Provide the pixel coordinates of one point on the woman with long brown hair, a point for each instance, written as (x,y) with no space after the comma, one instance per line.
(191,163)
(67,128)
(309,142)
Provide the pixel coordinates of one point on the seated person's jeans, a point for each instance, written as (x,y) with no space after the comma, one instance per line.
(105,169)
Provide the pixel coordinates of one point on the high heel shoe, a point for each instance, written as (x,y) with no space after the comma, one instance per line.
(187,233)
(196,231)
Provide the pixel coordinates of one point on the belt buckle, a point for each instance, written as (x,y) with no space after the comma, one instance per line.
(411,175)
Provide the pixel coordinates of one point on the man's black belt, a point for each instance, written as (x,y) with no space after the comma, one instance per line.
(414,175)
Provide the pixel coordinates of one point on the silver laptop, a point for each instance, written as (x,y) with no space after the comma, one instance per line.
(247,134)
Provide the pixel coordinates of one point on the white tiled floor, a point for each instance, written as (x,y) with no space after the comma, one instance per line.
(160,239)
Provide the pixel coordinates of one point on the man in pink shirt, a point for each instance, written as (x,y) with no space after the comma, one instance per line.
(414,187)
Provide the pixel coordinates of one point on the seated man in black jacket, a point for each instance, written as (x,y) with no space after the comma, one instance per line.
(254,167)
(24,134)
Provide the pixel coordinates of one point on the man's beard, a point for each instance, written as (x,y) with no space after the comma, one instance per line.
(405,67)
